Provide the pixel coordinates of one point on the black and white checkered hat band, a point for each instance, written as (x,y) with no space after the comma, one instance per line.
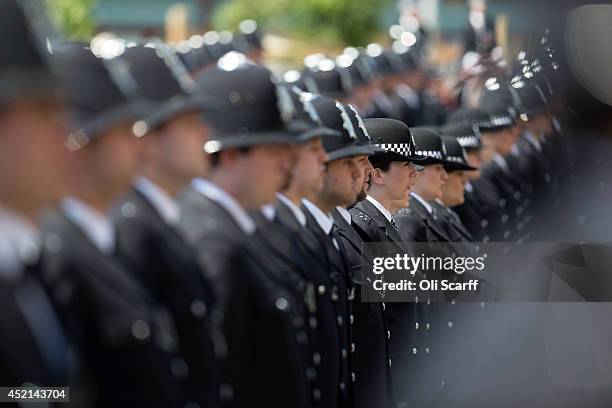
(482,124)
(405,149)
(468,141)
(456,159)
(436,154)
(504,120)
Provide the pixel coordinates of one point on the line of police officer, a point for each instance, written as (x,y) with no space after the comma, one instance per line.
(206,248)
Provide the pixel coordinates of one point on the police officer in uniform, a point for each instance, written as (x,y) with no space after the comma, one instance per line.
(480,207)
(418,222)
(340,177)
(303,270)
(453,192)
(499,139)
(125,341)
(34,346)
(148,240)
(406,323)
(531,159)
(419,105)
(372,385)
(250,155)
(307,181)
(356,76)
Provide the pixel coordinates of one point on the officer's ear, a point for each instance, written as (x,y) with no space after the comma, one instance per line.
(377,176)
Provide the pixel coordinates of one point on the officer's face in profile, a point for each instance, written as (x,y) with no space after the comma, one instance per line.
(452,192)
(110,161)
(263,171)
(340,180)
(397,182)
(430,181)
(362,182)
(488,147)
(32,153)
(178,148)
(540,125)
(474,160)
(362,95)
(309,170)
(501,141)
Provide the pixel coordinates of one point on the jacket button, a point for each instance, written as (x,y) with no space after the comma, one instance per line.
(128,210)
(141,329)
(226,392)
(311,373)
(344,353)
(416,326)
(450,325)
(389,362)
(414,350)
(352,347)
(312,321)
(342,386)
(353,377)
(316,358)
(198,308)
(388,334)
(321,289)
(340,320)
(301,337)
(316,394)
(384,306)
(179,367)
(281,303)
(352,319)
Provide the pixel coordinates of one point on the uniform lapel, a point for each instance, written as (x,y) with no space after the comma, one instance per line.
(382,222)
(346,230)
(432,224)
(333,255)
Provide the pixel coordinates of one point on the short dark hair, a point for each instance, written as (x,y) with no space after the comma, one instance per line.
(381,161)
(215,158)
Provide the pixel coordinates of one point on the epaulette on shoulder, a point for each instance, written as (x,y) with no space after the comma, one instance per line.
(362,218)
(403,211)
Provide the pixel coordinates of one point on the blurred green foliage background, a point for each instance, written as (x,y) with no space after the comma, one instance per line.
(335,23)
(74,17)
(339,22)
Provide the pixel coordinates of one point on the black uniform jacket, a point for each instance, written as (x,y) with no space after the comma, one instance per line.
(167,267)
(125,342)
(259,348)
